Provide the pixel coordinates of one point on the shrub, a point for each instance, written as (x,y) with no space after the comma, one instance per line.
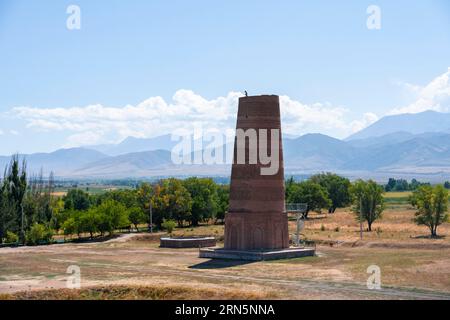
(70,227)
(38,233)
(11,237)
(169,225)
(322,228)
(379,231)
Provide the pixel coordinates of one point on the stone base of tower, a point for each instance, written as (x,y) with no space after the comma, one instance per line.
(256,255)
(256,231)
(256,237)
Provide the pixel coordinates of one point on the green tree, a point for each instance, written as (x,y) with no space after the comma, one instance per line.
(402,185)
(111,216)
(71,226)
(146,196)
(11,237)
(414,184)
(37,203)
(390,186)
(289,184)
(368,201)
(432,206)
(59,215)
(311,193)
(8,212)
(204,197)
(14,189)
(76,199)
(127,197)
(89,222)
(136,217)
(171,201)
(39,233)
(338,189)
(223,194)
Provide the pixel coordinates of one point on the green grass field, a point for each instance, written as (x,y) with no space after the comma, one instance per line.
(396,199)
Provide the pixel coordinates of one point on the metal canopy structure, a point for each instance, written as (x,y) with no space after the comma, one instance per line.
(300,210)
(296,207)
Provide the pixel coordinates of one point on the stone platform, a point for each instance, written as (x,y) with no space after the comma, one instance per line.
(256,255)
(193,242)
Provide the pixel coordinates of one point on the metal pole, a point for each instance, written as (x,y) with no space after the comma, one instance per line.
(151,216)
(360,219)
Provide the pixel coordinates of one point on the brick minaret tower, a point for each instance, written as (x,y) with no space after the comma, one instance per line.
(256,219)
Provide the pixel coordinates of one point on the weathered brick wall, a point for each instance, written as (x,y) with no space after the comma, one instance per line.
(256,218)
(187,243)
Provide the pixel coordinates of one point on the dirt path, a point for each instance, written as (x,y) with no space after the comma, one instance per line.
(126,237)
(54,247)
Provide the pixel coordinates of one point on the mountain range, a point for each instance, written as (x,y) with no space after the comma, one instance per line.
(406,145)
(413,123)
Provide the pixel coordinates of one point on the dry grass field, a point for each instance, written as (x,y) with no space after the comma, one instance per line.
(412,265)
(150,292)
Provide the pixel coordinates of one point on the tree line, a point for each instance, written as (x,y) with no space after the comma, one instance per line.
(401,185)
(31,213)
(25,204)
(187,202)
(330,191)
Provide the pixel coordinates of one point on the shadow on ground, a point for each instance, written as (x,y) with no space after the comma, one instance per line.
(315,218)
(428,237)
(220,264)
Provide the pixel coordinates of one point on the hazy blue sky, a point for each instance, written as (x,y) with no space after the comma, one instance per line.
(99,84)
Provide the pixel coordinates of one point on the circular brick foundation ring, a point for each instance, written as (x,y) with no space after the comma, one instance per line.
(191,242)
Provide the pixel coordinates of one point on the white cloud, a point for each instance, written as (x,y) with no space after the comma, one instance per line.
(150,118)
(409,87)
(14,132)
(95,124)
(299,118)
(368,119)
(83,139)
(434,96)
(1,132)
